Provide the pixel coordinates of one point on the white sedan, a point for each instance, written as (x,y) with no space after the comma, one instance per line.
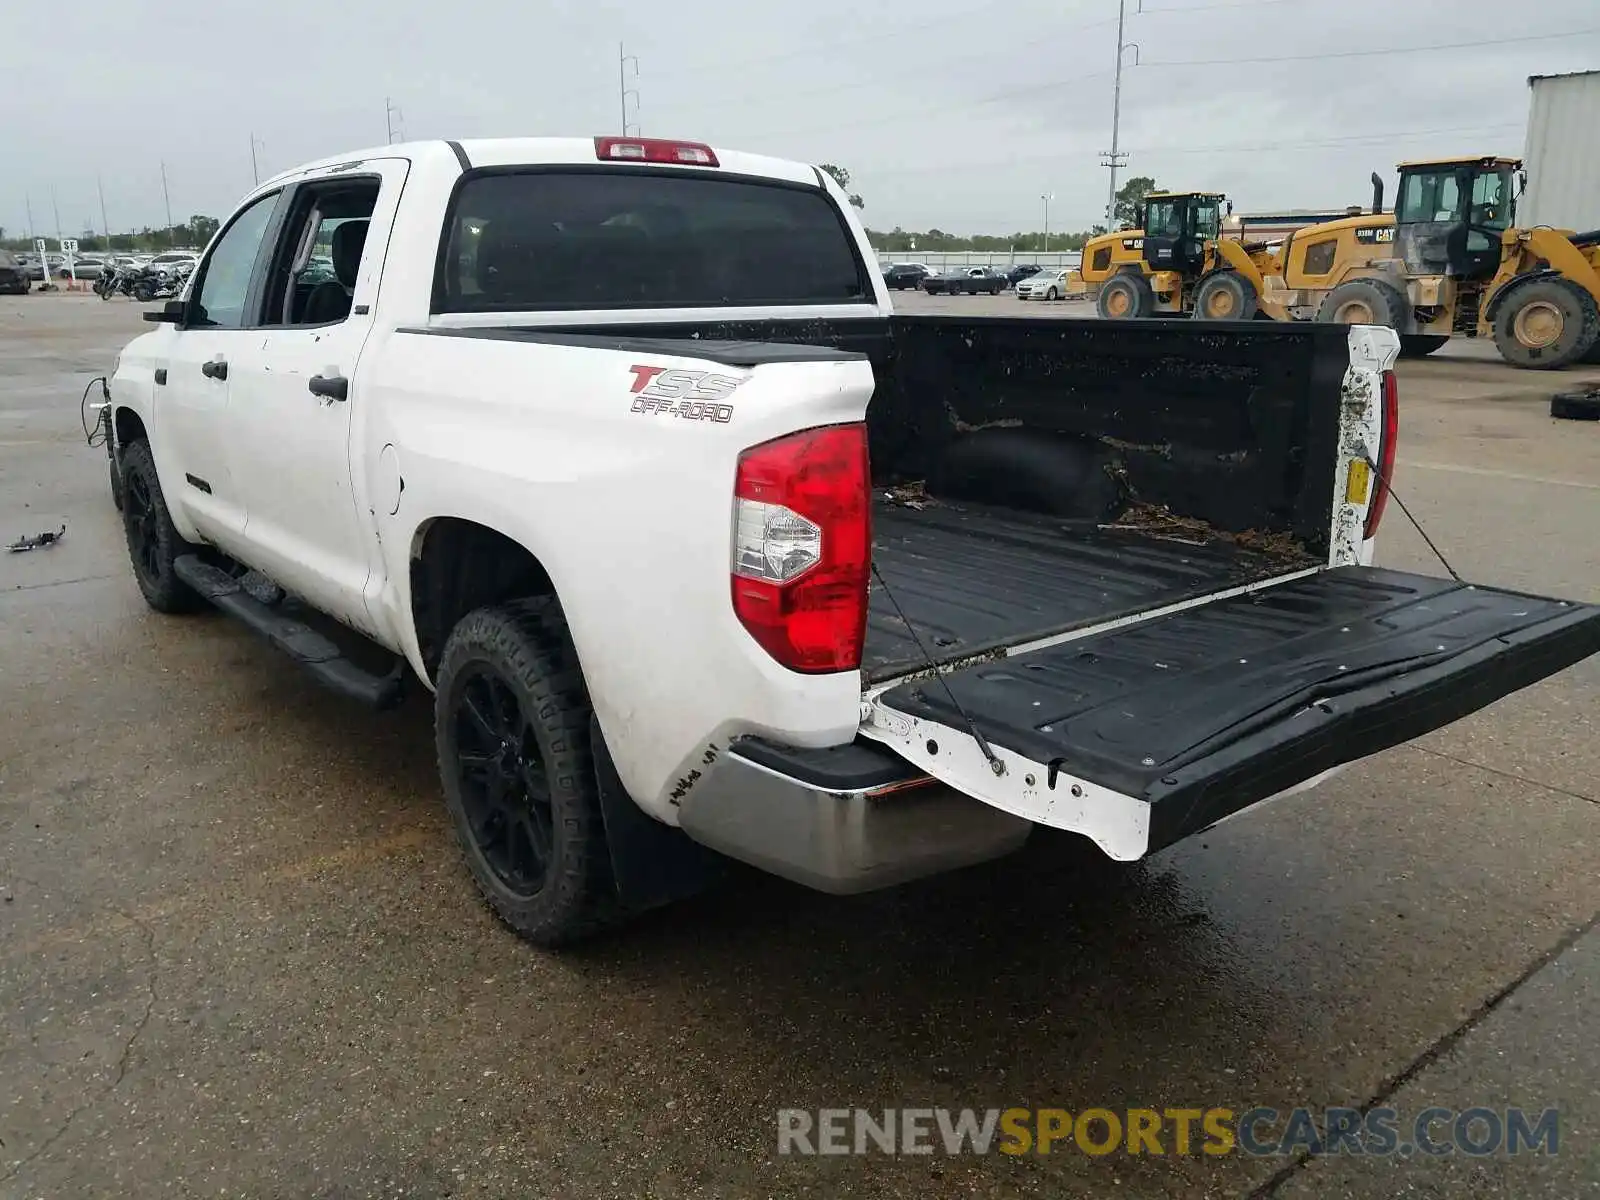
(1046,285)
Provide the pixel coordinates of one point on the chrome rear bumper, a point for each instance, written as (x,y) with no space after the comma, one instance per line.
(817,829)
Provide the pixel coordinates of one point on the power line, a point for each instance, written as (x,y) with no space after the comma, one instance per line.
(1286,145)
(800,51)
(1328,54)
(788,96)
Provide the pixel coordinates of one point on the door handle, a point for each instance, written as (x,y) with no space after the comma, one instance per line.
(329,387)
(217,368)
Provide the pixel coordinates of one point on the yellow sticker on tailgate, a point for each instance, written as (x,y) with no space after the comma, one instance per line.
(1360,482)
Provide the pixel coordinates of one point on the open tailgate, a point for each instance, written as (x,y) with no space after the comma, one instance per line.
(1143,734)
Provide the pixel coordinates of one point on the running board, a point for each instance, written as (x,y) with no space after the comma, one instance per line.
(300,642)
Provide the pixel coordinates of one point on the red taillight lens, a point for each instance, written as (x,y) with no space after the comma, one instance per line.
(802,547)
(1386,448)
(655,150)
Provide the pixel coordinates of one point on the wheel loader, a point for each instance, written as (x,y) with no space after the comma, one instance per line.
(1449,261)
(1178,263)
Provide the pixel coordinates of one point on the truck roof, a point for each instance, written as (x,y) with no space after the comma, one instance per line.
(1475,160)
(515,151)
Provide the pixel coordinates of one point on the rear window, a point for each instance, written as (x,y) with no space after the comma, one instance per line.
(595,239)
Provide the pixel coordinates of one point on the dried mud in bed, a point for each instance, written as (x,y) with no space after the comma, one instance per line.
(972,580)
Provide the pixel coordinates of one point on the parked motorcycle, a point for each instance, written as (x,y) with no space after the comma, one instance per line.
(161,283)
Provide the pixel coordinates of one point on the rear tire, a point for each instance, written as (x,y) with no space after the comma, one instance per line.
(511,726)
(1366,302)
(1420,345)
(1225,296)
(153,542)
(1125,298)
(1545,324)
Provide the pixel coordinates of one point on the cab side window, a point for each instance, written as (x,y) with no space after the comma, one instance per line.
(224,287)
(313,275)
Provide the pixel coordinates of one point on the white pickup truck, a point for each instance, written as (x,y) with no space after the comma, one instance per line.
(618,446)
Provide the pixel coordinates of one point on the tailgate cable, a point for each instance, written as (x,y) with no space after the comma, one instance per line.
(1415,524)
(996,764)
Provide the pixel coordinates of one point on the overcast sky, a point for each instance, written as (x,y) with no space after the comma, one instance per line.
(951,113)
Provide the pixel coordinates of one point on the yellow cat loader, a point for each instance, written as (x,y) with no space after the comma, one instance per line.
(1178,263)
(1450,262)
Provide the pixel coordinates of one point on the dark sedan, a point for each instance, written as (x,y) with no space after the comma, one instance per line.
(966,281)
(13,274)
(899,276)
(1021,271)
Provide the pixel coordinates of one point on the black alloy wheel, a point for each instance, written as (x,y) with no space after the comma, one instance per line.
(505,793)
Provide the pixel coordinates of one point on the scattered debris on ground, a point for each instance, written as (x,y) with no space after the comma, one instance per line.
(1576,406)
(38,541)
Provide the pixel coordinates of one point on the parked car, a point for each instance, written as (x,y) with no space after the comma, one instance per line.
(172,259)
(1022,271)
(666,603)
(84,266)
(900,276)
(1044,285)
(968,280)
(13,274)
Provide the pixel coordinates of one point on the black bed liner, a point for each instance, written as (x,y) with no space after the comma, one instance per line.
(1207,710)
(972,579)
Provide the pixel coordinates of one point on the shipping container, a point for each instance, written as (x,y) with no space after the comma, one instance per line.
(1562,155)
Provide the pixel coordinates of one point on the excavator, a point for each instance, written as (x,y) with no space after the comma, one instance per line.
(1450,261)
(1179,263)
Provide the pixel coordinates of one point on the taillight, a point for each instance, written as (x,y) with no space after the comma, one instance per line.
(802,547)
(1386,448)
(655,150)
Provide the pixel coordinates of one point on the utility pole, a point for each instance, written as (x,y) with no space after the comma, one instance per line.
(165,194)
(1114,157)
(28,200)
(104,223)
(624,91)
(390,113)
(57,209)
(255,171)
(1047,197)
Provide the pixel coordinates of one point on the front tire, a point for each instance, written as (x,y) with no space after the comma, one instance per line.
(153,542)
(1545,324)
(1052,294)
(511,722)
(1225,296)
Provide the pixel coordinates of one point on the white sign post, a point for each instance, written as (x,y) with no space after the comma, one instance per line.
(44,260)
(69,252)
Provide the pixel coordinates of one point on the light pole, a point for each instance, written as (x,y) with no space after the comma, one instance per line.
(1115,157)
(166,195)
(624,91)
(255,171)
(1047,197)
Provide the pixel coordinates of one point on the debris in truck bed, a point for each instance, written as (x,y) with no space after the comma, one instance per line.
(48,538)
(1156,520)
(909,495)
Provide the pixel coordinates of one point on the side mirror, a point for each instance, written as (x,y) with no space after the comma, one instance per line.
(172,313)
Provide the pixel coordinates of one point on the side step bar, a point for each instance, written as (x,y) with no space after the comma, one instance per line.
(300,642)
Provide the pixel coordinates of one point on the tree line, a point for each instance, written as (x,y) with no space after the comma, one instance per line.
(192,234)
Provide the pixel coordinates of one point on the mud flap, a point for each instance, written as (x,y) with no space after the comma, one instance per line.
(1153,731)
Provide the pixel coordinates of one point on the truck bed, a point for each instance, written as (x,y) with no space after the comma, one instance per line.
(972,579)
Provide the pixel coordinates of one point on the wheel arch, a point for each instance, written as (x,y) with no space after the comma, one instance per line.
(458,564)
(129,425)
(1498,300)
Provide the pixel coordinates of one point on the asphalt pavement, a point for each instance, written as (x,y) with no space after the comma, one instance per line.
(239,954)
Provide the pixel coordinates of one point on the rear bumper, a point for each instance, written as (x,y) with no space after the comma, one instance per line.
(845,820)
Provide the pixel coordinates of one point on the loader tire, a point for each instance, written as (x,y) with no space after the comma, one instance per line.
(1420,345)
(1225,296)
(1545,324)
(1366,302)
(1125,298)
